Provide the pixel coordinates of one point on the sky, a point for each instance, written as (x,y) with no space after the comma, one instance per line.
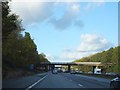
(67,31)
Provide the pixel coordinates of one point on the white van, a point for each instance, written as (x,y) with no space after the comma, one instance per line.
(97,71)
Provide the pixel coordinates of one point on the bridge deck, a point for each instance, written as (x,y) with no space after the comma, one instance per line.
(74,63)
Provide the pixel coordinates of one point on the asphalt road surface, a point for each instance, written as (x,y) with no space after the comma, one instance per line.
(60,80)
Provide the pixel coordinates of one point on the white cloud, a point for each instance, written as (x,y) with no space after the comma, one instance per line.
(90,44)
(71,56)
(35,11)
(74,55)
(32,12)
(93,42)
(75,8)
(94,4)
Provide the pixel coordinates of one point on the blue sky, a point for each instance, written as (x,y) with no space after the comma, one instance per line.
(70,30)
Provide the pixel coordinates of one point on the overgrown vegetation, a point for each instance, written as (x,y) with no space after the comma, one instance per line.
(109,56)
(18,51)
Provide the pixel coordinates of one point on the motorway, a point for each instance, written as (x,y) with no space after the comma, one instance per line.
(60,80)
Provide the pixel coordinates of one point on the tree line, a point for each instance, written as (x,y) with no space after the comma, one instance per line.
(18,51)
(107,57)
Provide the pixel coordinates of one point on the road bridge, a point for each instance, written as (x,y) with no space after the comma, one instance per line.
(73,63)
(51,65)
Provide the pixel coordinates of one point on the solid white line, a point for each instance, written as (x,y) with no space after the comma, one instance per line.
(35,83)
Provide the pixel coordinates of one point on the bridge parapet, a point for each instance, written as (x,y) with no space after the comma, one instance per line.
(76,63)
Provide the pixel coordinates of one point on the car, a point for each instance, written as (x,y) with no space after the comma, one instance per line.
(111,74)
(65,71)
(73,72)
(54,71)
(76,71)
(89,72)
(115,83)
(80,72)
(59,71)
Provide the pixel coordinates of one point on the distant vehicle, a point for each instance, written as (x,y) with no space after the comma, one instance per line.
(80,72)
(97,71)
(111,74)
(73,72)
(59,71)
(65,71)
(89,72)
(115,83)
(54,71)
(76,71)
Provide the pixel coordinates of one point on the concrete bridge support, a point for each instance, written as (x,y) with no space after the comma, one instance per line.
(93,69)
(47,67)
(69,69)
(52,67)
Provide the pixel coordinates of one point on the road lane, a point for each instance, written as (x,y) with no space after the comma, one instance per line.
(57,81)
(22,82)
(87,82)
(31,86)
(60,80)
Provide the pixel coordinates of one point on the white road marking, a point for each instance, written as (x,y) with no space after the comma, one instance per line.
(80,85)
(35,83)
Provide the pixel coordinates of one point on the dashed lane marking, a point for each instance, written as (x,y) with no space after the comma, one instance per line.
(80,85)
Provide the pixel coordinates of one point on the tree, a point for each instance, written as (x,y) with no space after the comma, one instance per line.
(42,57)
(10,22)
(18,51)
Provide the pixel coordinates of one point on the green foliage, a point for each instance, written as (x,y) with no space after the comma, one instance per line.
(109,56)
(18,51)
(42,57)
(10,22)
